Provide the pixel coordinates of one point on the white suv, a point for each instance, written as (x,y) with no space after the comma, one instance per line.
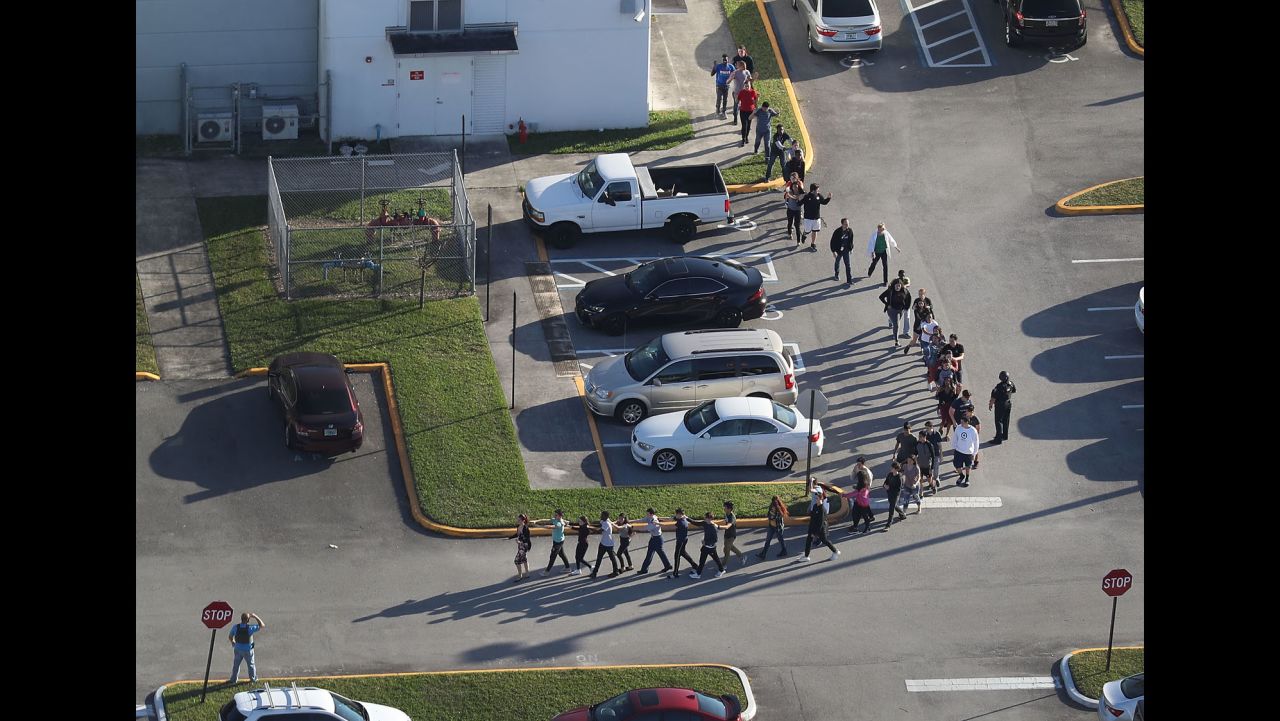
(303,704)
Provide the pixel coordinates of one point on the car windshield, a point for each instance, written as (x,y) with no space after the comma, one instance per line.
(784,415)
(324,400)
(643,361)
(643,278)
(589,180)
(712,706)
(700,417)
(846,8)
(615,709)
(1133,686)
(1045,8)
(348,709)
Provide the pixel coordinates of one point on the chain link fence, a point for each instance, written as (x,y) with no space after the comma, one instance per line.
(371,226)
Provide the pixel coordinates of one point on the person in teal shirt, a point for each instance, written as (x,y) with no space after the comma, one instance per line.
(557,525)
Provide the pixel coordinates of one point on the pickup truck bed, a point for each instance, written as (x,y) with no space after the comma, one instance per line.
(680,181)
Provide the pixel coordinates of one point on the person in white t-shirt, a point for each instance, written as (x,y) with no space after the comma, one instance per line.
(606,545)
(964,443)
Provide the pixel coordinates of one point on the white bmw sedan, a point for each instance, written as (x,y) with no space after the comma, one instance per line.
(726,432)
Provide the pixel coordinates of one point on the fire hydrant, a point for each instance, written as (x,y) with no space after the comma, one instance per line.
(524,131)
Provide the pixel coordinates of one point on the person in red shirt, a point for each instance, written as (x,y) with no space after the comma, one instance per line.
(747,98)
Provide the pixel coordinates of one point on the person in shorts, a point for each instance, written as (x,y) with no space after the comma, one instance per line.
(811,208)
(964,444)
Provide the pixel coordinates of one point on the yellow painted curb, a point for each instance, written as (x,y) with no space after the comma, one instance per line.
(595,432)
(1104,648)
(145,376)
(1128,31)
(810,153)
(459,672)
(1062,207)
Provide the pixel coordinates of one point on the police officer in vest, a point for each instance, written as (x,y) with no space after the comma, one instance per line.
(242,641)
(1002,403)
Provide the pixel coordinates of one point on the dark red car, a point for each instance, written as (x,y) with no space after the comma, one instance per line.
(321,413)
(659,704)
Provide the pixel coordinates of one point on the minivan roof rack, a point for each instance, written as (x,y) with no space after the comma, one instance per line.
(722,330)
(728,350)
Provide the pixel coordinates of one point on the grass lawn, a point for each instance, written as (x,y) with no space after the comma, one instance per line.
(1121,192)
(143,350)
(667,129)
(1087,668)
(1134,10)
(462,443)
(748,30)
(510,696)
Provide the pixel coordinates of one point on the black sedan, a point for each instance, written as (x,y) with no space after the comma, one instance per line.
(321,413)
(684,288)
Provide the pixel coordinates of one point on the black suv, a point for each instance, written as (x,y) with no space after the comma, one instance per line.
(682,288)
(1045,21)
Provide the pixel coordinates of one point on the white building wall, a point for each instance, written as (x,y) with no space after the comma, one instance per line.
(581,64)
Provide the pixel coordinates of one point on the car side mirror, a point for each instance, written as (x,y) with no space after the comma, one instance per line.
(707,434)
(657,381)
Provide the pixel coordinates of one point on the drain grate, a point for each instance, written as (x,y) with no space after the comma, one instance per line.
(551,314)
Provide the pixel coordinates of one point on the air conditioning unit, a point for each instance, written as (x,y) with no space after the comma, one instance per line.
(279,122)
(214,127)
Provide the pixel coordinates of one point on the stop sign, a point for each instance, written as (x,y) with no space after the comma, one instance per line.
(1117,582)
(217,614)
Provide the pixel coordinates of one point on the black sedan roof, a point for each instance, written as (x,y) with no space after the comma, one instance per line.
(682,265)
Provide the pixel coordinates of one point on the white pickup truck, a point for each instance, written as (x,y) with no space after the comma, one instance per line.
(612,194)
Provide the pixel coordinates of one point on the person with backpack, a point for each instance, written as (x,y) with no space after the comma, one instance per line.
(897,301)
(1002,402)
(241,637)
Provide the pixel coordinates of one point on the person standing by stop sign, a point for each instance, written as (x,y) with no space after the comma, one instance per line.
(241,637)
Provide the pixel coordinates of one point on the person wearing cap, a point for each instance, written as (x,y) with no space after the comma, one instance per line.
(1002,403)
(964,445)
(818,527)
(654,526)
(557,525)
(682,541)
(722,70)
(710,535)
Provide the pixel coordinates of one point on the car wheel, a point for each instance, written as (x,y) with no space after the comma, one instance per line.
(614,324)
(809,39)
(666,460)
(1009,38)
(680,230)
(563,235)
(630,412)
(290,438)
(1083,40)
(781,460)
(729,318)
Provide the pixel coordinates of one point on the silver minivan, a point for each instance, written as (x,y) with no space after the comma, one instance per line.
(840,25)
(677,371)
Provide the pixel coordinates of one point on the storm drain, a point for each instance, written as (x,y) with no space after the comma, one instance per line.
(551,314)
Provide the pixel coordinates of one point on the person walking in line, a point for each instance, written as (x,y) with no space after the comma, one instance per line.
(880,248)
(919,307)
(710,535)
(722,71)
(860,477)
(965,447)
(523,543)
(935,439)
(607,529)
(976,422)
(1002,403)
(779,151)
(942,370)
(791,196)
(818,528)
(961,407)
(904,445)
(682,541)
(653,525)
(841,248)
(557,525)
(737,83)
(924,334)
(241,637)
(580,553)
(624,541)
(860,504)
(763,116)
(795,164)
(777,522)
(902,278)
(927,456)
(946,395)
(893,489)
(912,483)
(811,208)
(731,534)
(896,303)
(956,349)
(744,57)
(747,99)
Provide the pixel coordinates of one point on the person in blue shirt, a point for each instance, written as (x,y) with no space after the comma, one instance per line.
(722,70)
(241,637)
(557,525)
(682,542)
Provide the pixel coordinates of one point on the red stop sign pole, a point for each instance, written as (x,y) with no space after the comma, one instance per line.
(1115,584)
(215,616)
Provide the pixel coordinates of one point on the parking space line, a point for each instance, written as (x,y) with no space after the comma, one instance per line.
(1111,307)
(595,267)
(913,12)
(1123,357)
(947,62)
(1110,260)
(595,432)
(577,282)
(617,445)
(1140,405)
(942,19)
(604,351)
(922,7)
(996,683)
(953,37)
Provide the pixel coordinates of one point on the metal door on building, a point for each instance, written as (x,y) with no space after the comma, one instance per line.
(434,95)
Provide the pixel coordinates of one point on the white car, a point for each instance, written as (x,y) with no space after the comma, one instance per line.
(1140,311)
(1123,700)
(726,432)
(305,703)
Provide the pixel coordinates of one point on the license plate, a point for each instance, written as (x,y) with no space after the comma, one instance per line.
(1051,23)
(850,36)
(331,431)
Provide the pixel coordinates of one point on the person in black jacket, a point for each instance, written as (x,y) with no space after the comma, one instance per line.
(779,148)
(795,165)
(818,528)
(811,208)
(1002,403)
(897,301)
(710,535)
(580,553)
(841,247)
(682,541)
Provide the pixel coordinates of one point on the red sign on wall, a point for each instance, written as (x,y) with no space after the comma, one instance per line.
(417,74)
